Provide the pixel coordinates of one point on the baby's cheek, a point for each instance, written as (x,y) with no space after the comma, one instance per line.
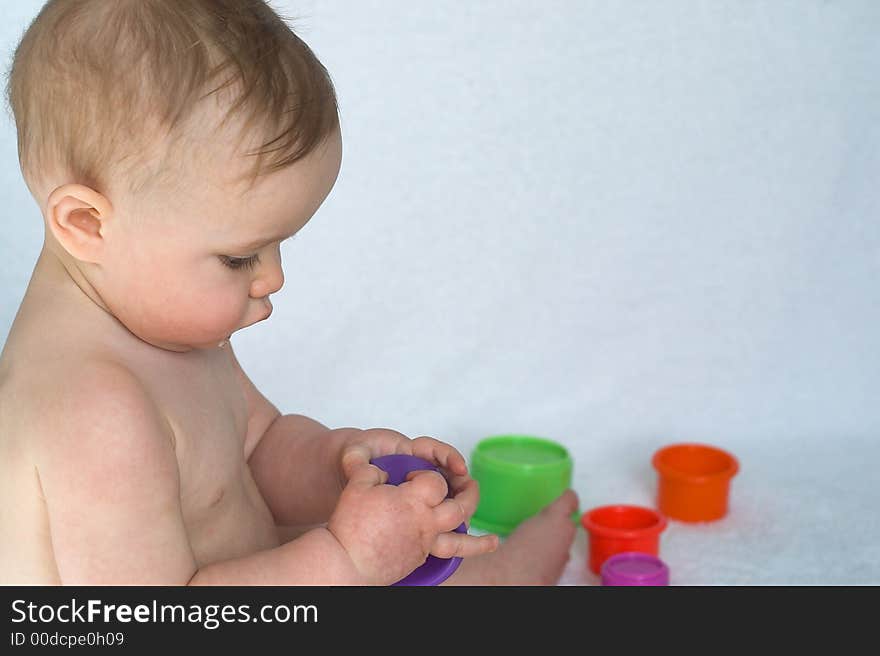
(221,308)
(187,312)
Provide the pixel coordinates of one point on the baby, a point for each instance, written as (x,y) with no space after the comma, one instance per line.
(133,447)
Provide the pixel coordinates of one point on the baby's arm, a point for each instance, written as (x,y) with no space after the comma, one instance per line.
(105,460)
(293,459)
(296,467)
(315,558)
(376,535)
(302,468)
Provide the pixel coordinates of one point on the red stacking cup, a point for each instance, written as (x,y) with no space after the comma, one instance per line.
(617,529)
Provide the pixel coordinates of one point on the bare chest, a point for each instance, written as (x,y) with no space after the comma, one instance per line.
(222,507)
(208,412)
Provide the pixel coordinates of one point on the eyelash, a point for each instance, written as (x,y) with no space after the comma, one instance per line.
(238,263)
(244,262)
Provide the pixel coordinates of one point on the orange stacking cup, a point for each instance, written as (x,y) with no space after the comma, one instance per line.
(694,481)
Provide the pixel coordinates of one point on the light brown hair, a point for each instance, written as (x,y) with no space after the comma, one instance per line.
(95,85)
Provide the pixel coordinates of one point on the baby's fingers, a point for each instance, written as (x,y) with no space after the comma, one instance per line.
(451,545)
(354,457)
(366,475)
(427,486)
(449,515)
(466,491)
(446,455)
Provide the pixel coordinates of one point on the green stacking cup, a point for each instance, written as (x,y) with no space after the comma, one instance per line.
(519,475)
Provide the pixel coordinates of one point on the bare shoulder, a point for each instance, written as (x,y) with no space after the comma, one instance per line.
(87,402)
(105,458)
(98,423)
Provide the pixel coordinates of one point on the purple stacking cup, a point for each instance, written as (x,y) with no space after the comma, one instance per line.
(634,568)
(435,570)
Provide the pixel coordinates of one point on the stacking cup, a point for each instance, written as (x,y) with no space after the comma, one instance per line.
(634,568)
(617,529)
(519,475)
(694,481)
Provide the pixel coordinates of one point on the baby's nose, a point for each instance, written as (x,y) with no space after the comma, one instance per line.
(268,280)
(274,280)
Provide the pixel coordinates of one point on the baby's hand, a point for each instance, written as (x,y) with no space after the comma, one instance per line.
(388,530)
(365,445)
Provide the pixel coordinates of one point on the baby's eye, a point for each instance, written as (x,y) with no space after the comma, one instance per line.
(239,262)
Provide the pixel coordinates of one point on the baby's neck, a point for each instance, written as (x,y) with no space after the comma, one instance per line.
(61,289)
(53,271)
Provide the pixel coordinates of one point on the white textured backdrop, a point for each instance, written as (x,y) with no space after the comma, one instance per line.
(613,224)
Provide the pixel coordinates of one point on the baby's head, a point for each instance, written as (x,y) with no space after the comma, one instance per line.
(171,146)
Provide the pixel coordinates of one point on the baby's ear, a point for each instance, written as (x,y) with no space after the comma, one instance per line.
(76,215)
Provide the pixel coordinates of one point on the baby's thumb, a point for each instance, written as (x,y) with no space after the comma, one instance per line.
(366,475)
(354,457)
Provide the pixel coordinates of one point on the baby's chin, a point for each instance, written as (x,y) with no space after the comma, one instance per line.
(186,346)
